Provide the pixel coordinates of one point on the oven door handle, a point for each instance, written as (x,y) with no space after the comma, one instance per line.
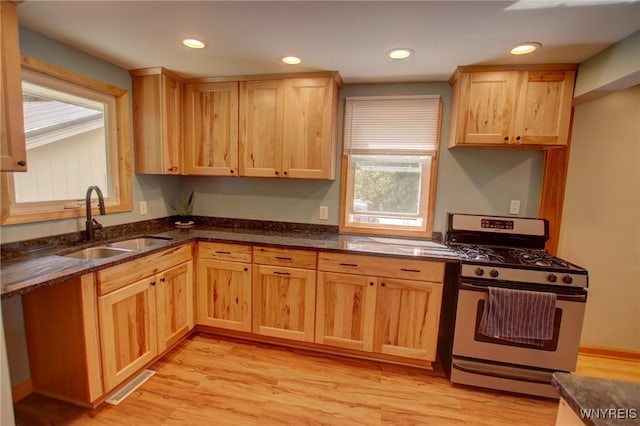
(567,297)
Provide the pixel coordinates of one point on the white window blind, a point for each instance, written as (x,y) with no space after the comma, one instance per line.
(402,125)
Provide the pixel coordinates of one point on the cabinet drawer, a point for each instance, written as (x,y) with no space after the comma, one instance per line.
(113,278)
(421,270)
(224,251)
(285,257)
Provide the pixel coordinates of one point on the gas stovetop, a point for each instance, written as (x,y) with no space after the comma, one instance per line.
(495,248)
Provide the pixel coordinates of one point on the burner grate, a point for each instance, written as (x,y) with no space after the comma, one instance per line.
(538,258)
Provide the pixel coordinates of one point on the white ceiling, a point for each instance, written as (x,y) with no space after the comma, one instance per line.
(349,36)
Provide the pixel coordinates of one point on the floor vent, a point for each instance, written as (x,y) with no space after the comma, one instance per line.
(127,389)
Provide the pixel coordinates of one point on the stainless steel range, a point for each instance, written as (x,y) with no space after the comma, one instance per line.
(519,309)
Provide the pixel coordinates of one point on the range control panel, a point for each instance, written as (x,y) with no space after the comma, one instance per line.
(496,224)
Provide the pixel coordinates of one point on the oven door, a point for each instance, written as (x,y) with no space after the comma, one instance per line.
(559,354)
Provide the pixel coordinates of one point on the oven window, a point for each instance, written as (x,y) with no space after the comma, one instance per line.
(550,345)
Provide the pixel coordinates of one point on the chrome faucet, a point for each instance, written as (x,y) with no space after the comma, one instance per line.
(93,224)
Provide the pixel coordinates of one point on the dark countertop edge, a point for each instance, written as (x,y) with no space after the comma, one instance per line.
(181,237)
(576,389)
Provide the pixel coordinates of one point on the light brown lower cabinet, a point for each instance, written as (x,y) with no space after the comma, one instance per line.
(89,334)
(391,316)
(141,320)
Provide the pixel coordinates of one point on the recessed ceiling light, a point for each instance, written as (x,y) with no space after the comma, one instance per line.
(291,60)
(524,48)
(193,43)
(402,53)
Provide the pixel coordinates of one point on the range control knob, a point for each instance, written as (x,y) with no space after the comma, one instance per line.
(479,272)
(567,279)
(552,278)
(494,273)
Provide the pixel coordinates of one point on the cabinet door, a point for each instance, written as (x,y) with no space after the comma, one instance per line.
(157,109)
(544,107)
(211,132)
(174,301)
(345,310)
(224,294)
(487,107)
(261,119)
(127,330)
(407,317)
(310,110)
(284,302)
(13,154)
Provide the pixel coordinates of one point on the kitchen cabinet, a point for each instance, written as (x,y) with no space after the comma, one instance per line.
(382,305)
(13,156)
(141,319)
(511,107)
(224,286)
(211,128)
(288,127)
(157,121)
(284,293)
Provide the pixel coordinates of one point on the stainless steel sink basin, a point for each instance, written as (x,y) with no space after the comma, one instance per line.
(97,252)
(137,243)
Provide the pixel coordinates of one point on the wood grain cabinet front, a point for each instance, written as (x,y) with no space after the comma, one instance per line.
(224,286)
(381,314)
(284,296)
(288,127)
(157,121)
(13,155)
(211,129)
(143,319)
(511,107)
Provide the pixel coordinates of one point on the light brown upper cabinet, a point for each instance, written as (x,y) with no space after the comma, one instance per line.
(288,127)
(13,156)
(211,129)
(157,121)
(511,106)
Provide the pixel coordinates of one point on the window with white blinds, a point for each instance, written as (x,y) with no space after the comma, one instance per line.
(389,166)
(386,125)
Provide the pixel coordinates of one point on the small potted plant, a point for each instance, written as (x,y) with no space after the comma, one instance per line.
(183,212)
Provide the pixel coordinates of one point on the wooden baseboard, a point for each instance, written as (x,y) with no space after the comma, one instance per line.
(22,390)
(610,353)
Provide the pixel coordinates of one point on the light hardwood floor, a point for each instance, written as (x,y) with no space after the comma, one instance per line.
(210,381)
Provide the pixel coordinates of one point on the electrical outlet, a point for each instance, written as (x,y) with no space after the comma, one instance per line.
(514,207)
(323,213)
(143,208)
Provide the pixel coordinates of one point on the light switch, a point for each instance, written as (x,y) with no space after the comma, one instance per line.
(323,213)
(143,208)
(514,207)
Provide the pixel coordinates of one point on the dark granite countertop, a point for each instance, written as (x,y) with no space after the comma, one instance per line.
(47,265)
(600,402)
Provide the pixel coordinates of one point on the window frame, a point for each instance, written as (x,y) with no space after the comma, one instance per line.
(428,189)
(120,199)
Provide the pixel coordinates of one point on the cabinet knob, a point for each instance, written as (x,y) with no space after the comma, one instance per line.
(277,173)
(246,269)
(285,173)
(153,283)
(163,279)
(506,138)
(518,138)
(173,168)
(382,284)
(22,163)
(371,283)
(231,171)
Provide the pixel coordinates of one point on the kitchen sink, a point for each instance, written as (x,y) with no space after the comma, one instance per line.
(137,243)
(97,252)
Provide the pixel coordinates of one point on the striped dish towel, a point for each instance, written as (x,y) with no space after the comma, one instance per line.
(518,316)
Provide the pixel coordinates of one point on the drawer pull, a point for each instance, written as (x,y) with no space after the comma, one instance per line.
(223,252)
(355,265)
(284,258)
(281,273)
(410,270)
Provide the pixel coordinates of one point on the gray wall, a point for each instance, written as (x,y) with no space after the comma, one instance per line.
(469,180)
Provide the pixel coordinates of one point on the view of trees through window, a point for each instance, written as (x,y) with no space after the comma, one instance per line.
(387,188)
